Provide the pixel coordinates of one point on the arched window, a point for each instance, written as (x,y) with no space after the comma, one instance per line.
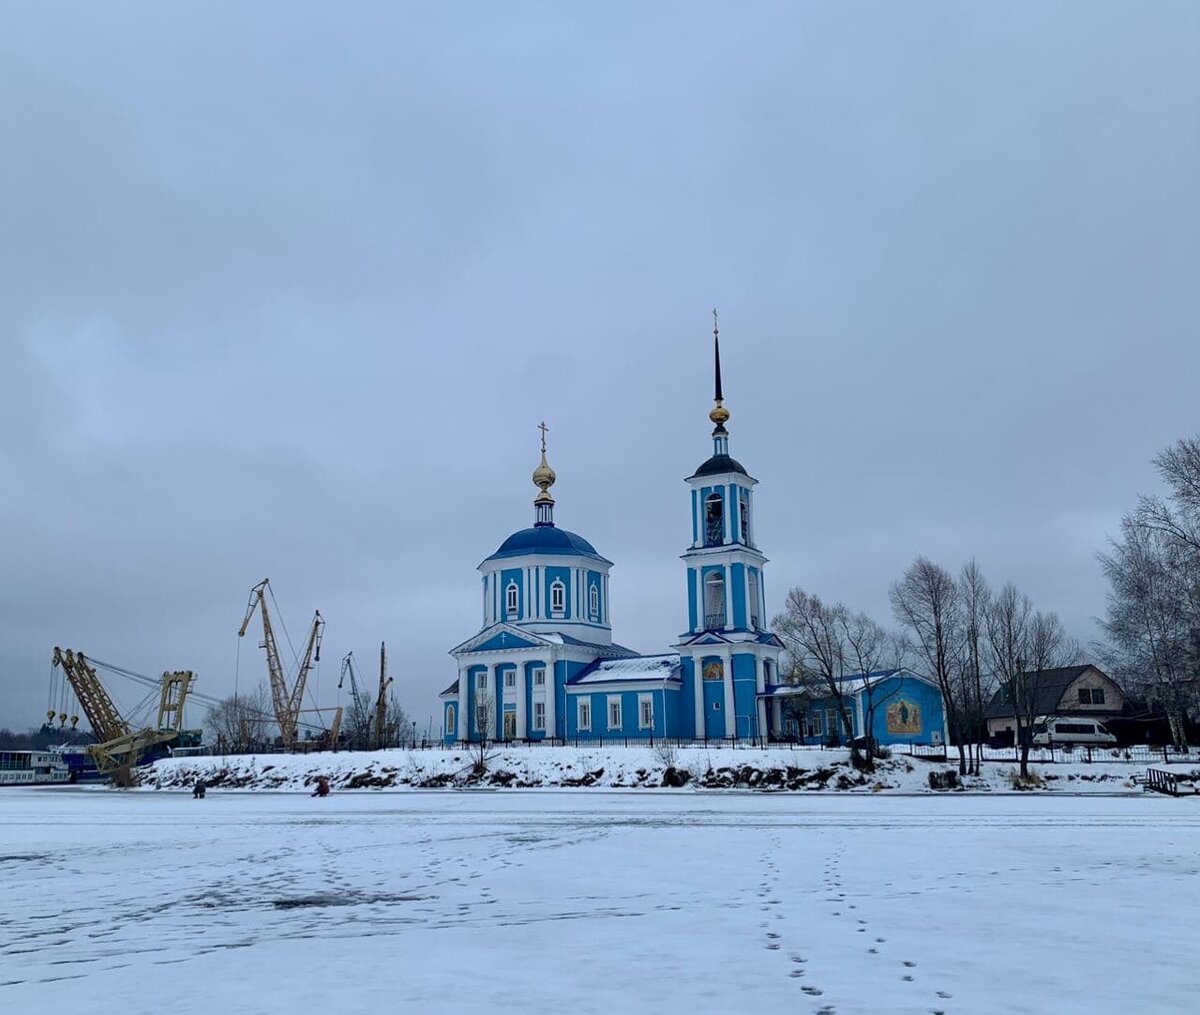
(558,598)
(753,596)
(594,603)
(450,727)
(744,516)
(714,601)
(714,520)
(512,600)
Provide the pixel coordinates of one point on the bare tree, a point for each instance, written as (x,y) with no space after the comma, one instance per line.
(1008,619)
(1151,622)
(485,725)
(975,595)
(242,720)
(813,633)
(927,603)
(1153,616)
(869,649)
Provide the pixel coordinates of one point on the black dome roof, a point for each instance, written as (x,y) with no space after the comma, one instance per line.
(719,464)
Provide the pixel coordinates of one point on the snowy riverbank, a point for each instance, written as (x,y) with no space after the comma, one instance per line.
(616,767)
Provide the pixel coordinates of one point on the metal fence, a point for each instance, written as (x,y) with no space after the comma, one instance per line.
(1084,753)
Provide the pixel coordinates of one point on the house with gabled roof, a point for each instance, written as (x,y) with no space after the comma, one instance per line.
(1064,691)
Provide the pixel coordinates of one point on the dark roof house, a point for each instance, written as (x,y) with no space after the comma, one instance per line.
(1067,690)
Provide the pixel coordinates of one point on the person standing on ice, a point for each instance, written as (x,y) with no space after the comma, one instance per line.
(199,790)
(322,787)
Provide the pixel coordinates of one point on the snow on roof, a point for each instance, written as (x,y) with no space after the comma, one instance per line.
(637,668)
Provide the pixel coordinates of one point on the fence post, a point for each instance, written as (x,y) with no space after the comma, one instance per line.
(1166,760)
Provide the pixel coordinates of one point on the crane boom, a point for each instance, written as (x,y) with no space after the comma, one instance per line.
(280,697)
(106,721)
(286,700)
(312,654)
(381,701)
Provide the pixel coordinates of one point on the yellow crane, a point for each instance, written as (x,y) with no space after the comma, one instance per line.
(287,700)
(119,745)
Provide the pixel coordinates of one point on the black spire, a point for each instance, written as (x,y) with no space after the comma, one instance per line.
(717,356)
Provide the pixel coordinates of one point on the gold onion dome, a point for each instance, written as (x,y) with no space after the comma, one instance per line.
(719,414)
(543,477)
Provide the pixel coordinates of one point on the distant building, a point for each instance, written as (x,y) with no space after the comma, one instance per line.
(895,706)
(544,663)
(1065,691)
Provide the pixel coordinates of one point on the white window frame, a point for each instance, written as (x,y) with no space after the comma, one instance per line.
(451,716)
(614,702)
(558,598)
(510,679)
(481,682)
(539,677)
(539,716)
(480,719)
(594,602)
(752,582)
(583,714)
(645,711)
(512,600)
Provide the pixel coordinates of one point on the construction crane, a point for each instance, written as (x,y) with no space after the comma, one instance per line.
(359,702)
(118,744)
(381,701)
(286,700)
(368,718)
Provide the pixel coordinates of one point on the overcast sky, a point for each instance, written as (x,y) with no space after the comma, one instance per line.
(287,289)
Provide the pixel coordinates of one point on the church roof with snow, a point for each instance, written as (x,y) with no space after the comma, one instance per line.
(635,669)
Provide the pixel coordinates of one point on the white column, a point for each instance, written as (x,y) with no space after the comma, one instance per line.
(699,600)
(521,693)
(551,699)
(699,696)
(497,697)
(760,685)
(463,679)
(728,584)
(730,717)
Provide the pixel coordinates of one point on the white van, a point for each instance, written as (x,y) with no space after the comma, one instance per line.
(1048,732)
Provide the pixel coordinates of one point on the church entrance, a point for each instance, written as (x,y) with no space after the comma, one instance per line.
(510,725)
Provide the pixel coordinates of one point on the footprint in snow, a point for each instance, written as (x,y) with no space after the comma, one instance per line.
(906,978)
(909,964)
(813,991)
(943,994)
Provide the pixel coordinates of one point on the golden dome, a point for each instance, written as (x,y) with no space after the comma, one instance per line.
(543,477)
(719,414)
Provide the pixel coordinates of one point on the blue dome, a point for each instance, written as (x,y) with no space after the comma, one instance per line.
(546,539)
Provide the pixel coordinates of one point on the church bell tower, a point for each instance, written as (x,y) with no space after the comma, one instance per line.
(729,656)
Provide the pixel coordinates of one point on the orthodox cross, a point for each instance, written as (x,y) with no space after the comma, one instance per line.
(545,430)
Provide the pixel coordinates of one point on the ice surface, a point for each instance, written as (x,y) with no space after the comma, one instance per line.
(596,901)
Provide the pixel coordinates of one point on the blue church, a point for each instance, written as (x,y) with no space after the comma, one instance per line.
(544,664)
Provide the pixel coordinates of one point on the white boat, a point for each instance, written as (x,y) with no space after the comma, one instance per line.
(33,768)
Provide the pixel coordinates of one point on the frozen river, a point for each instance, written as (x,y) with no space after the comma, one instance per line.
(591,901)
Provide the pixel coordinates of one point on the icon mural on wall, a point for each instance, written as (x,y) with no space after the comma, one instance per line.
(714,670)
(904,716)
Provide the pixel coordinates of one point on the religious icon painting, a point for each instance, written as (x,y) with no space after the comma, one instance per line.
(714,670)
(904,716)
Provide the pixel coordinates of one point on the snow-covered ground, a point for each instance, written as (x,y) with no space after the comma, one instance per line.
(615,767)
(597,901)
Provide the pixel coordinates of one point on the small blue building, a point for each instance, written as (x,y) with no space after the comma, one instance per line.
(895,706)
(544,663)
